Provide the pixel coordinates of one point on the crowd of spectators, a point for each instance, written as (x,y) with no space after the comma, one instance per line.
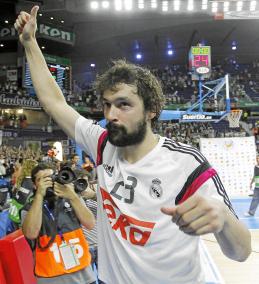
(179,89)
(178,86)
(177,83)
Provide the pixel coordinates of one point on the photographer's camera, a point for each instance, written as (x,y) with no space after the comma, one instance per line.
(65,176)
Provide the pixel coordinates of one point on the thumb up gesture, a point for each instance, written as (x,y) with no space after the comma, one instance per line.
(26,25)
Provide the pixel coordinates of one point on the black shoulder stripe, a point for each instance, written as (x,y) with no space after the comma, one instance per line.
(173,148)
(222,192)
(178,145)
(186,147)
(181,151)
(192,177)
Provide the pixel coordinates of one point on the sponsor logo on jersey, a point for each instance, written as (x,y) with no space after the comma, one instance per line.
(108,169)
(156,190)
(134,231)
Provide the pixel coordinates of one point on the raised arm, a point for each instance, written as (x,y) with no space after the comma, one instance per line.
(47,90)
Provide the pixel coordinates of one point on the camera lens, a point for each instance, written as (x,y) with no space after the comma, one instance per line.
(80,185)
(66,176)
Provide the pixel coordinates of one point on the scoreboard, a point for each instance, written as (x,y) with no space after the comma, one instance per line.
(200,62)
(60,72)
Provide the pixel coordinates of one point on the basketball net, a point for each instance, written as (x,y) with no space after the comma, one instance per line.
(234,117)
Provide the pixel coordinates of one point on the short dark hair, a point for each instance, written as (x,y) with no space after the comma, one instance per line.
(148,86)
(41,167)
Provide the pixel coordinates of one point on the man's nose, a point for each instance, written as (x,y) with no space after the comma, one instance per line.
(112,113)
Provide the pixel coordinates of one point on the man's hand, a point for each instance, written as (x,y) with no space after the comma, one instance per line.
(198,215)
(44,182)
(26,25)
(84,215)
(65,190)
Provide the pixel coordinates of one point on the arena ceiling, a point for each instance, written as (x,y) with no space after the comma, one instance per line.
(101,36)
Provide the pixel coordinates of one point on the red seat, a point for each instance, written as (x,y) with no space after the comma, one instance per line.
(16,259)
(2,276)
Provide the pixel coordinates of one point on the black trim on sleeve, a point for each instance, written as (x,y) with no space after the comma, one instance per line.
(193,176)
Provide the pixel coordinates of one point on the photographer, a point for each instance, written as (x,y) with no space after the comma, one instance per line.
(53,220)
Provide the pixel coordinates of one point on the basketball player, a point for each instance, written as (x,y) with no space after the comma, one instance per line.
(156,196)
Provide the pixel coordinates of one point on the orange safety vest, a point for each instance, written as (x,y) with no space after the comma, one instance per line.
(48,261)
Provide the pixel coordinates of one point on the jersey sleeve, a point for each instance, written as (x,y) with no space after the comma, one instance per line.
(87,135)
(203,179)
(214,188)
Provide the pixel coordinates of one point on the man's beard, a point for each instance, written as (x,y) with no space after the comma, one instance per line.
(118,136)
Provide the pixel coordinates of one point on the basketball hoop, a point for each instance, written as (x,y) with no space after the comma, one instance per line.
(234,117)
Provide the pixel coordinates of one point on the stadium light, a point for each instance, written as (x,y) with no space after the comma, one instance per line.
(226,6)
(153,4)
(118,5)
(138,56)
(170,52)
(141,4)
(252,5)
(165,6)
(204,5)
(239,6)
(190,5)
(128,5)
(105,4)
(177,5)
(214,7)
(234,45)
(94,5)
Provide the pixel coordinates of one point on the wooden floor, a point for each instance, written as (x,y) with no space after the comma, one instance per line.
(236,272)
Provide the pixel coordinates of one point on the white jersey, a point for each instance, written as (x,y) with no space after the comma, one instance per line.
(137,243)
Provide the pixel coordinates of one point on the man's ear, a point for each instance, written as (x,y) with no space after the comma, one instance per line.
(151,115)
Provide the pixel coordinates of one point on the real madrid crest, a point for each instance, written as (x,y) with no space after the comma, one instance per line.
(156,190)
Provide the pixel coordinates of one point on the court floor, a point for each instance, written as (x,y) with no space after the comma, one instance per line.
(226,271)
(241,205)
